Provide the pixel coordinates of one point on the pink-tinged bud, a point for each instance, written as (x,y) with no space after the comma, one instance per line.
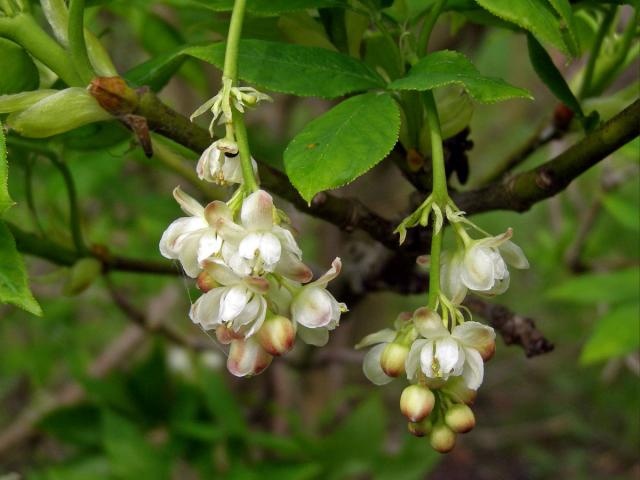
(488,351)
(225,335)
(420,429)
(460,418)
(277,335)
(416,402)
(205,282)
(427,322)
(247,358)
(393,358)
(442,438)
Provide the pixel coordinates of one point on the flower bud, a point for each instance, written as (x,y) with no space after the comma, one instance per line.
(58,113)
(393,358)
(81,275)
(247,358)
(277,335)
(460,418)
(206,282)
(420,429)
(416,402)
(442,438)
(427,321)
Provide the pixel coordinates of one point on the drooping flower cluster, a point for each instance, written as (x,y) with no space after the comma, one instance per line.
(443,354)
(257,292)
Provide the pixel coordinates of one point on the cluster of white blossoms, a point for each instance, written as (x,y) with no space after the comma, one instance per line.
(441,350)
(257,293)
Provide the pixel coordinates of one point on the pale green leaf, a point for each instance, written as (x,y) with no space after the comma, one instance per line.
(568,25)
(14,288)
(5,198)
(614,335)
(446,67)
(295,69)
(613,287)
(342,144)
(623,211)
(19,73)
(536,16)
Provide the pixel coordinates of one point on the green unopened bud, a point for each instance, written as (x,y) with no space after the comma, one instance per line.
(58,113)
(277,335)
(460,418)
(393,358)
(81,275)
(23,100)
(442,438)
(420,429)
(416,402)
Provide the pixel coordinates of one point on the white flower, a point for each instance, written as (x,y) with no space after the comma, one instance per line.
(443,354)
(371,365)
(262,246)
(238,304)
(481,267)
(315,311)
(193,239)
(220,163)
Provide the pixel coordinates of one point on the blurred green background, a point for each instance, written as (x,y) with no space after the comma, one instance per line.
(140,407)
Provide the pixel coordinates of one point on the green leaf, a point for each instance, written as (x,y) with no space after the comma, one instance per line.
(295,69)
(614,287)
(14,287)
(302,29)
(19,73)
(157,71)
(130,455)
(568,26)
(74,425)
(5,198)
(623,211)
(537,17)
(222,404)
(446,67)
(614,335)
(551,76)
(344,143)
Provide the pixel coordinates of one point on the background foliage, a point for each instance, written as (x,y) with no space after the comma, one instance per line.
(114,399)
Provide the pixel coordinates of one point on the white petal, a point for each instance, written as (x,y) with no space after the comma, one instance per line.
(205,311)
(514,255)
(450,278)
(187,203)
(473,369)
(286,239)
(318,337)
(257,211)
(427,364)
(413,358)
(312,307)
(209,244)
(448,354)
(477,271)
(333,272)
(477,336)
(291,267)
(174,235)
(252,315)
(270,250)
(222,274)
(232,170)
(382,336)
(233,302)
(249,247)
(188,255)
(371,366)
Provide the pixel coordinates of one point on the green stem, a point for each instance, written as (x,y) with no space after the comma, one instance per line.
(440,193)
(250,183)
(231,72)
(427,28)
(77,44)
(585,90)
(24,30)
(233,39)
